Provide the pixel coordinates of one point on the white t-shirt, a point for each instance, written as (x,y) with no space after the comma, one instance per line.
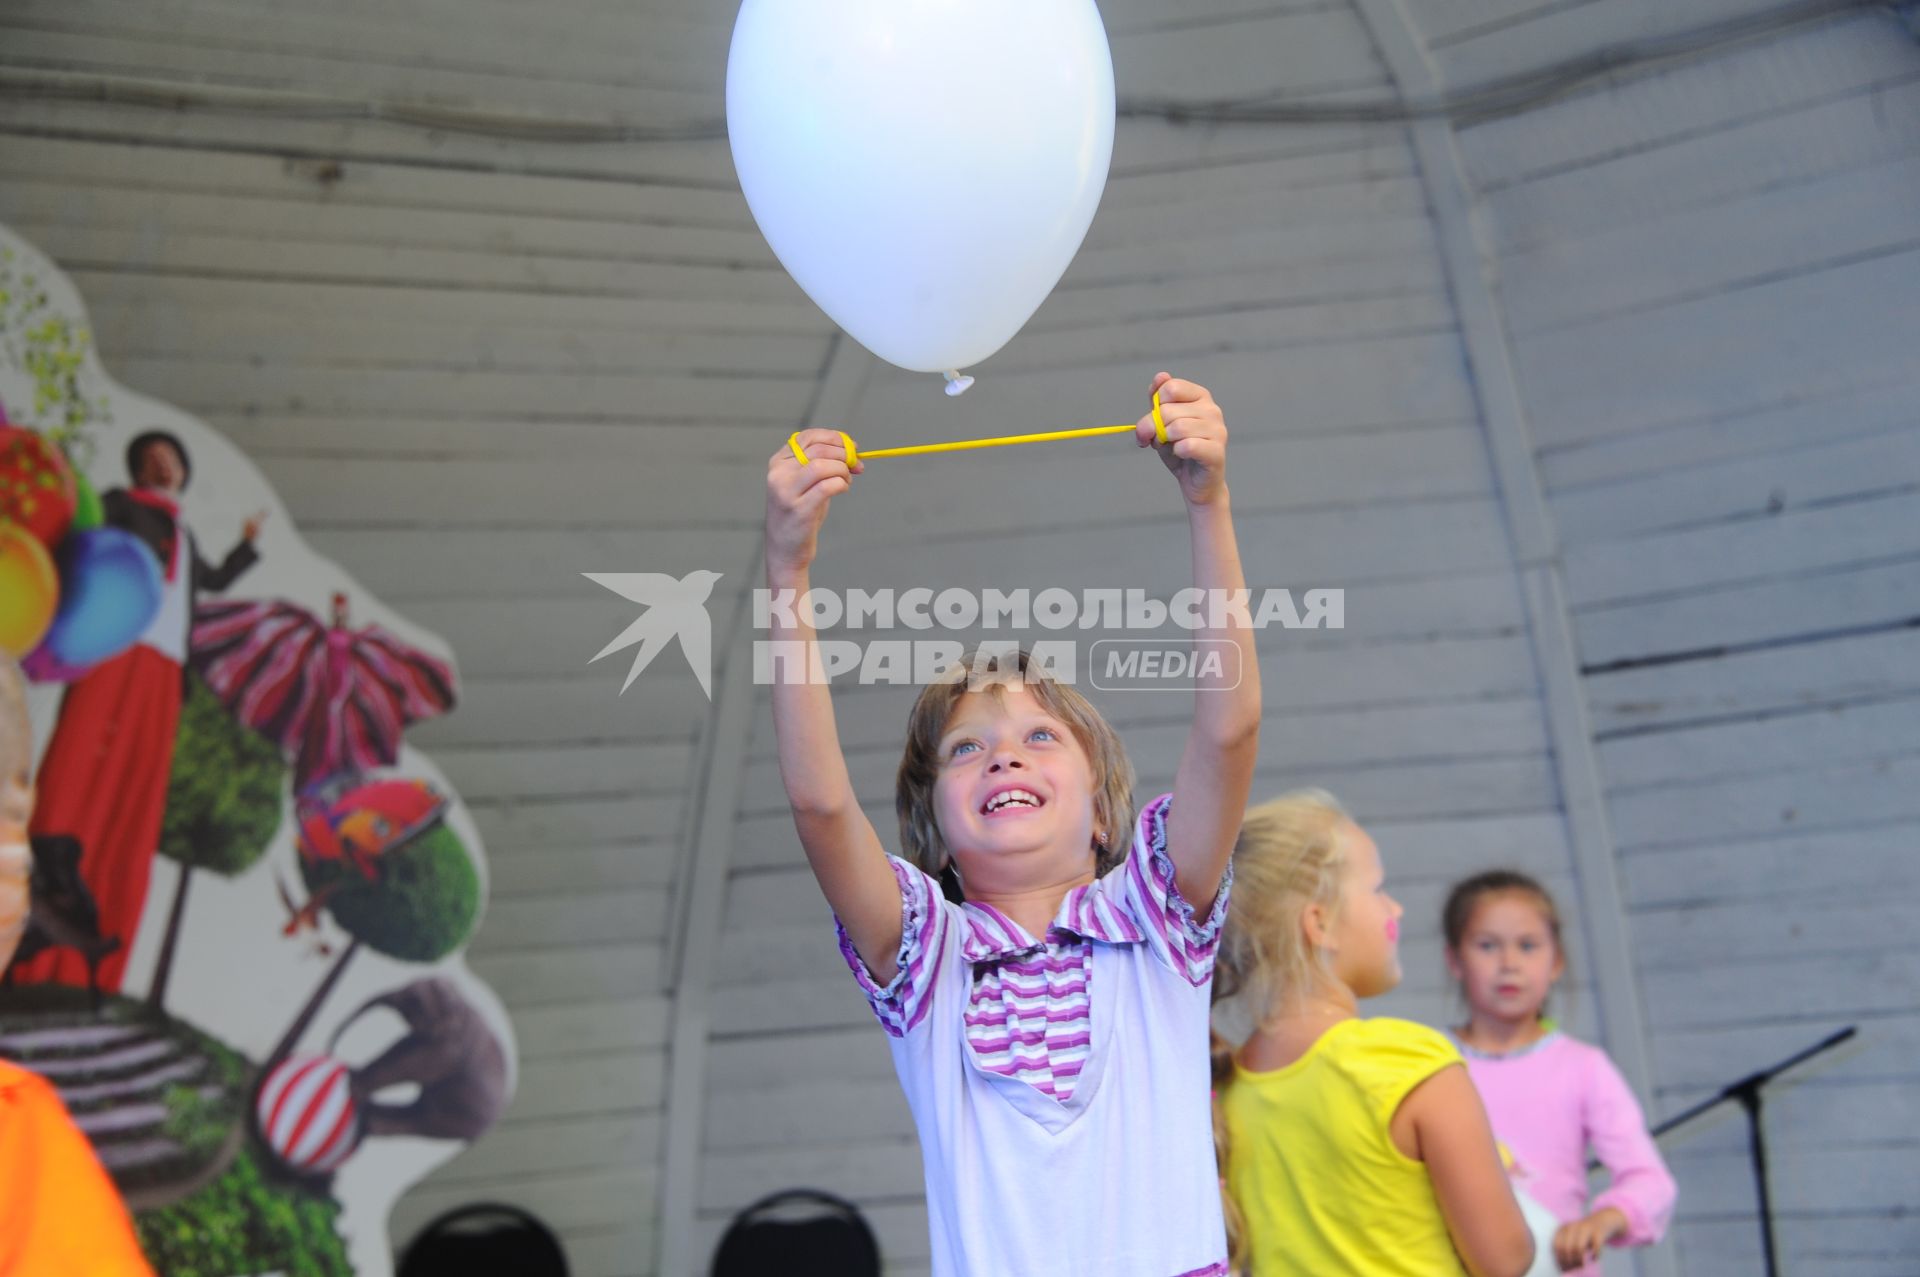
(1110,1010)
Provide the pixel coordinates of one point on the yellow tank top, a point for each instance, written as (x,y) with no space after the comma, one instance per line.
(1323,1189)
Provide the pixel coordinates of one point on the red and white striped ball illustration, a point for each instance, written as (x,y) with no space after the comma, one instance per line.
(307,1115)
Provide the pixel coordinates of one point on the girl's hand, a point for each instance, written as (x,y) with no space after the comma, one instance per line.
(798,495)
(1196,447)
(1579,1243)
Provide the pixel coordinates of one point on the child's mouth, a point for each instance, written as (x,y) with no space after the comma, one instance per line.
(1009,800)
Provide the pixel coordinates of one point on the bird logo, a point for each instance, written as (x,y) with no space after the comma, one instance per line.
(676,608)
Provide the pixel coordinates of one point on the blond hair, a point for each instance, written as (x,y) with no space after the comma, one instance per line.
(920,837)
(1290,855)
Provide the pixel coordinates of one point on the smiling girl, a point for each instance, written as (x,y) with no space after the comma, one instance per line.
(1039,960)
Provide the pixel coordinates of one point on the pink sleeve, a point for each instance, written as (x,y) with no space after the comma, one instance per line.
(1179,934)
(901,1004)
(1642,1189)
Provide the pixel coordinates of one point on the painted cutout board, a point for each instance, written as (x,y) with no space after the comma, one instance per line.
(243,967)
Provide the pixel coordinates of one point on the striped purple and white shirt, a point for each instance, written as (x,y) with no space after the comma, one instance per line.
(1060,1084)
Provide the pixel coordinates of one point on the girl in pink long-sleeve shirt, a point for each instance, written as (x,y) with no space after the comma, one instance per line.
(1550,1098)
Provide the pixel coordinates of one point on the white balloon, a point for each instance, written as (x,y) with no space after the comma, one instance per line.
(925,169)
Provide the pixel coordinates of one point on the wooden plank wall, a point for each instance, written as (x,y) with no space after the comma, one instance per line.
(477,366)
(1709,276)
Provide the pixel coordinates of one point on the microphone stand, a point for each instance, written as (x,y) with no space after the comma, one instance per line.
(1746,1093)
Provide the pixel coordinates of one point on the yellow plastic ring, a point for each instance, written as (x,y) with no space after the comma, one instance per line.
(853,454)
(799,453)
(1159,422)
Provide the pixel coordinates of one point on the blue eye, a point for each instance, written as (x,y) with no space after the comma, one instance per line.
(963,746)
(1047,732)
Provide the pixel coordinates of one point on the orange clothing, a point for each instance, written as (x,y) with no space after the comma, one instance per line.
(60,1215)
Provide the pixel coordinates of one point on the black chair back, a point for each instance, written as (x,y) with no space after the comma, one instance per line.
(484,1239)
(798,1233)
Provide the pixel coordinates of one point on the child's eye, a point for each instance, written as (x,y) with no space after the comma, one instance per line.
(962,747)
(1047,732)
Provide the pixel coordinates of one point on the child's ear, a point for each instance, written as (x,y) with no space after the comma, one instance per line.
(1313,924)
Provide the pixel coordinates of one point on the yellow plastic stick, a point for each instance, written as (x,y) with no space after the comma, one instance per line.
(964,445)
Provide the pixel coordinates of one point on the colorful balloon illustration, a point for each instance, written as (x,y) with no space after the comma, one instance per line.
(36,484)
(87,510)
(29,590)
(109,592)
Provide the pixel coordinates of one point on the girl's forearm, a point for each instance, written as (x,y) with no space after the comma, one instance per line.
(1228,711)
(812,767)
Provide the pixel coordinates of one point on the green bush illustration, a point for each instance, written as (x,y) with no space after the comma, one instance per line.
(421,905)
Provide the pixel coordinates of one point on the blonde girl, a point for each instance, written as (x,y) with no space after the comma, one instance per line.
(1350,1145)
(1551,1099)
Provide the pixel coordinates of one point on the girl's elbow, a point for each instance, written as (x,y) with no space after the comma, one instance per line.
(817,808)
(1520,1255)
(1510,1253)
(1236,734)
(1509,1259)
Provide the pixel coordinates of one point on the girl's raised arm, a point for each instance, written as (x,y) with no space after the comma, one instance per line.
(840,842)
(1443,1123)
(1216,768)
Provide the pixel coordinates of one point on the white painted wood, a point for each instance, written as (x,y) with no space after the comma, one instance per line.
(1822,797)
(1756,83)
(1748,685)
(1744,489)
(562,974)
(263,63)
(1697,266)
(574,42)
(97,160)
(699,930)
(1795,543)
(1877,594)
(507,308)
(1535,548)
(1758,746)
(639,863)
(1831,136)
(1655,372)
(1857,215)
(1881,404)
(319,147)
